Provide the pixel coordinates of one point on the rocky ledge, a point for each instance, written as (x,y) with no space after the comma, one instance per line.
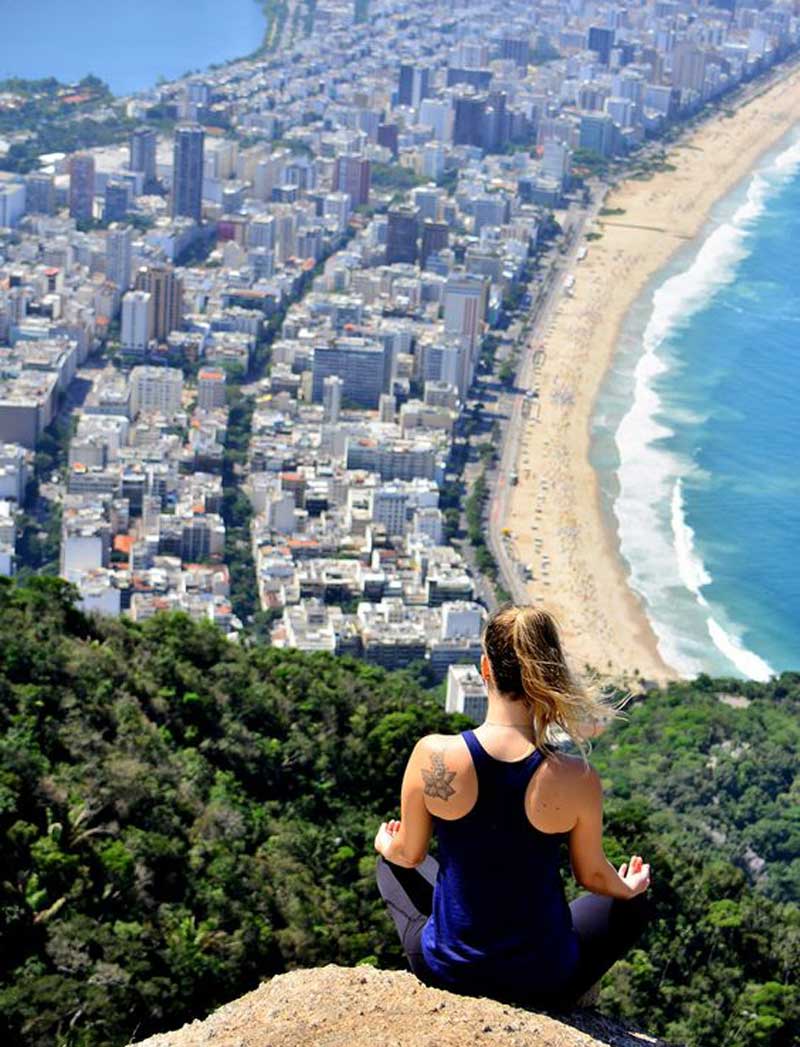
(364,1007)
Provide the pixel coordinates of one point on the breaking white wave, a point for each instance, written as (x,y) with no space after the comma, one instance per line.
(695,576)
(654,537)
(690,567)
(747,662)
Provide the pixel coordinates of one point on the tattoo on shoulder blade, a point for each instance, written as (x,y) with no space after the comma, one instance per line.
(438,779)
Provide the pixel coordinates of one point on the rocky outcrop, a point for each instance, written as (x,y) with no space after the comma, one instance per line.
(363,1007)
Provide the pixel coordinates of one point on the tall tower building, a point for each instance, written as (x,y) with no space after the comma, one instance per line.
(137,321)
(362,366)
(40,193)
(118,255)
(387,407)
(166,290)
(388,137)
(468,120)
(332,398)
(81,187)
(115,206)
(142,153)
(465,300)
(601,40)
(401,235)
(435,237)
(413,85)
(597,132)
(187,172)
(688,67)
(351,175)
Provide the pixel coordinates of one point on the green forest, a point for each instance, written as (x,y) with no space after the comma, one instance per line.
(182,817)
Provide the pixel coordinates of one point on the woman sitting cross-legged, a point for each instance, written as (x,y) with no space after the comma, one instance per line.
(491,917)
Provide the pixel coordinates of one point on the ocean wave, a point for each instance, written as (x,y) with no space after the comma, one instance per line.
(690,567)
(747,662)
(661,558)
(695,576)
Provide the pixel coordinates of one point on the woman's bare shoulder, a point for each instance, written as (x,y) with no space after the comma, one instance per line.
(568,770)
(450,749)
(448,743)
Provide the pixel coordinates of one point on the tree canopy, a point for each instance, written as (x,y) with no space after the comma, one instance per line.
(182,817)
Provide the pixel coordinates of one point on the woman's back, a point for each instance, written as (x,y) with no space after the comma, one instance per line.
(499,911)
(496,920)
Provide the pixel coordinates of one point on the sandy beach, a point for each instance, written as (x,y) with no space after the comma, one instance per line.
(554,513)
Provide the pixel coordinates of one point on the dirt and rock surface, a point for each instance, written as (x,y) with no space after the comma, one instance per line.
(364,1007)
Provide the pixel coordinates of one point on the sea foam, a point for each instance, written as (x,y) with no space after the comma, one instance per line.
(655,538)
(695,576)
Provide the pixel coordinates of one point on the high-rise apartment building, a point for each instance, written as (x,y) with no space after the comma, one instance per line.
(156,389)
(167,293)
(428,201)
(12,200)
(688,67)
(351,175)
(81,187)
(401,235)
(435,236)
(331,398)
(116,202)
(118,255)
(465,300)
(468,120)
(466,692)
(413,85)
(496,126)
(40,193)
(361,365)
(210,388)
(187,172)
(601,40)
(516,48)
(142,153)
(388,137)
(598,134)
(137,322)
(555,160)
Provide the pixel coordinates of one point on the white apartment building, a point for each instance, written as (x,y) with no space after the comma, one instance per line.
(466,692)
(137,321)
(156,389)
(119,255)
(13,472)
(465,299)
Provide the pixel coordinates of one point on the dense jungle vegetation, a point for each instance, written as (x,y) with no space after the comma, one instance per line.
(181,817)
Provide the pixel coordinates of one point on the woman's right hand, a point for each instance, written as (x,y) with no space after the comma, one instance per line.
(636,875)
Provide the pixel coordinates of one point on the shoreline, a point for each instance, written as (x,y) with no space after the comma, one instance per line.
(585,580)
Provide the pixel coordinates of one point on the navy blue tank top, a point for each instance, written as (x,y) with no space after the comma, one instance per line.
(500,922)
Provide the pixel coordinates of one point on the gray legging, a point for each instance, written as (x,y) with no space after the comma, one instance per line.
(606,928)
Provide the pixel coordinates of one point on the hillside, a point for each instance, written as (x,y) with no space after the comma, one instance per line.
(338,1007)
(181,818)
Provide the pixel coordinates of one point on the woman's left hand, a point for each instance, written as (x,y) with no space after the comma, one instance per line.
(385,835)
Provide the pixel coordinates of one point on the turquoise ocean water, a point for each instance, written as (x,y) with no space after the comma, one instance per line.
(696,435)
(128,44)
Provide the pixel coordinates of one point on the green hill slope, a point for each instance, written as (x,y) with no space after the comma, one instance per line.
(181,817)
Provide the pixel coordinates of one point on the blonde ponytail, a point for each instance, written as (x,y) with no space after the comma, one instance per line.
(528,664)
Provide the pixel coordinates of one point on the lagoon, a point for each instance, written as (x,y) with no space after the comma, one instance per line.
(128,45)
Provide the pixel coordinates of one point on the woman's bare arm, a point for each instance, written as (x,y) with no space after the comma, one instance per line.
(406,842)
(590,867)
